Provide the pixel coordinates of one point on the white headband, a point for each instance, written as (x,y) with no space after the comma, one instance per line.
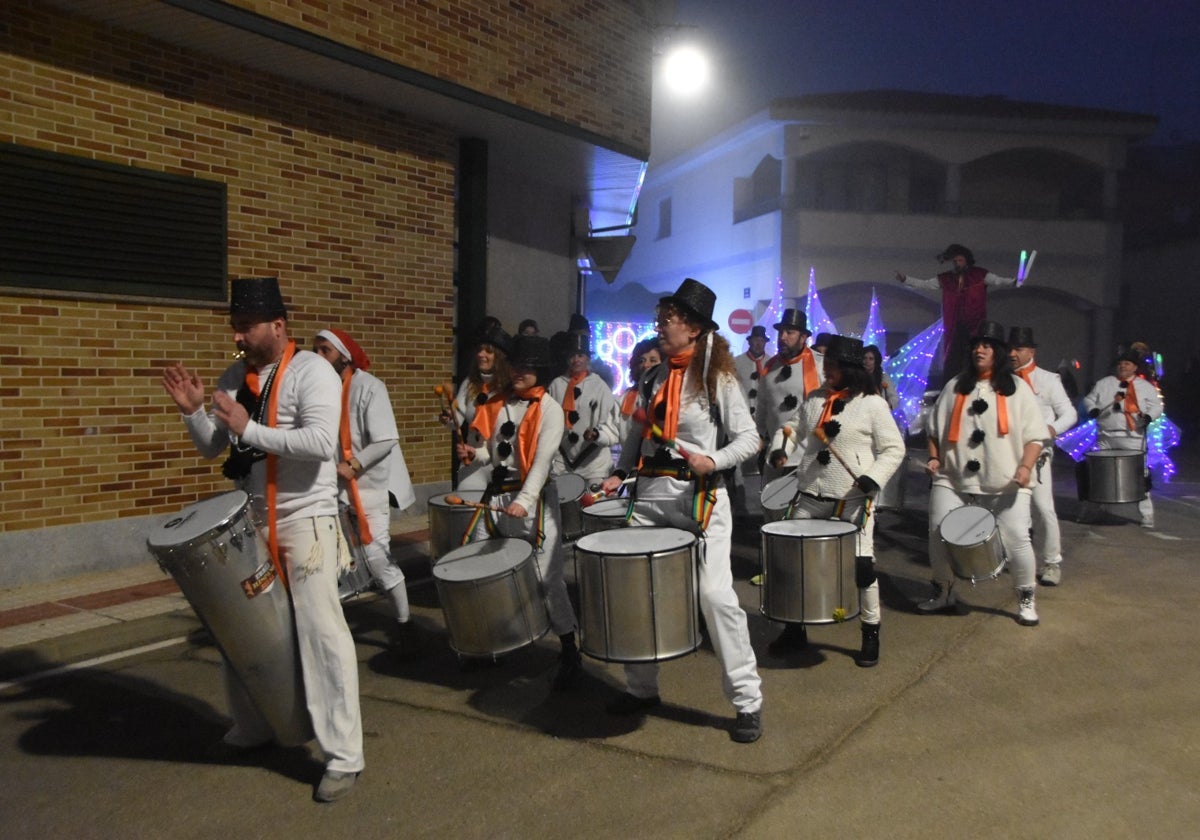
(336,342)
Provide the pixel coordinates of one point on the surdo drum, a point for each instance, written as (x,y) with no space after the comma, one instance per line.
(604,515)
(224,569)
(808,571)
(571,488)
(638,594)
(357,578)
(491,596)
(973,540)
(777,494)
(1115,476)
(448,523)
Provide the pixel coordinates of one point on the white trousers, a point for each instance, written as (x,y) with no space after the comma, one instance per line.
(807,507)
(328,660)
(1012,518)
(726,620)
(1046,533)
(382,566)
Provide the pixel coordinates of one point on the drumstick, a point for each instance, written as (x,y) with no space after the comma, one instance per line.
(459,500)
(820,435)
(589,499)
(443,393)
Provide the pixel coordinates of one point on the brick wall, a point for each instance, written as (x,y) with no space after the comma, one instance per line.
(352,209)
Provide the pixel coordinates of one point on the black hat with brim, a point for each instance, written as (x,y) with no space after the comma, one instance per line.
(696,299)
(531,352)
(990,331)
(846,350)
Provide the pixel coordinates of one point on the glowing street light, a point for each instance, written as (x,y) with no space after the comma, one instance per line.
(685,70)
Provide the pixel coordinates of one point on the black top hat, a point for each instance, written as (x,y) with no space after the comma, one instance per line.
(530,351)
(696,299)
(822,340)
(579,323)
(256,297)
(793,319)
(1131,356)
(577,342)
(499,339)
(845,349)
(990,331)
(1021,337)
(757,331)
(956,250)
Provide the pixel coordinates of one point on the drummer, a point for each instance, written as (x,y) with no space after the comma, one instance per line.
(645,357)
(489,374)
(694,403)
(278,409)
(1123,406)
(985,435)
(791,375)
(858,425)
(589,415)
(372,474)
(520,429)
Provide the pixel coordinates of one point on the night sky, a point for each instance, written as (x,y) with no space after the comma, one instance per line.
(1136,56)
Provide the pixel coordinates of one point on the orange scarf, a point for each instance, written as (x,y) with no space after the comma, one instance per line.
(628,402)
(827,411)
(960,403)
(808,368)
(531,423)
(1026,374)
(669,395)
(760,365)
(569,398)
(364,530)
(272,459)
(1131,403)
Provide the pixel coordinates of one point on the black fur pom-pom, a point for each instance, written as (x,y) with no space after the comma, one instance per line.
(977,437)
(973,465)
(504,449)
(789,403)
(831,428)
(838,405)
(823,457)
(979,406)
(508,429)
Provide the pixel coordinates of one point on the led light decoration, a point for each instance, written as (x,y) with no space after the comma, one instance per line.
(613,343)
(818,321)
(909,371)
(875,332)
(1161,435)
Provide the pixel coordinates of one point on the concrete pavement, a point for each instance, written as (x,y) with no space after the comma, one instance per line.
(971,726)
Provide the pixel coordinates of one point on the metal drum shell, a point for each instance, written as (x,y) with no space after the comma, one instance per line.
(638,594)
(1116,476)
(891,495)
(493,601)
(605,515)
(972,538)
(448,523)
(256,635)
(357,578)
(571,487)
(808,571)
(777,494)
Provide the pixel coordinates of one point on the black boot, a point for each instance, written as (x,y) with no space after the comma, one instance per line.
(570,664)
(869,657)
(793,638)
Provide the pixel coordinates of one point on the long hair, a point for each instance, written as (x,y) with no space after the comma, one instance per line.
(876,374)
(719,360)
(855,379)
(501,372)
(1003,381)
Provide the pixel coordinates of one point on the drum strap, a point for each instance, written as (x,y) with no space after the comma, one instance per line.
(705,499)
(489,522)
(273,462)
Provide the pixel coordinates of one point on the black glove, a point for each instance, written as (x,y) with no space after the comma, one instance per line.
(777,458)
(1094,413)
(865,484)
(1145,418)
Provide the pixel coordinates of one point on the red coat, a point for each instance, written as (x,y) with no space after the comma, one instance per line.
(965,308)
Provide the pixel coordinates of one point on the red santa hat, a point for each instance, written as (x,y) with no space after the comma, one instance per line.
(347,346)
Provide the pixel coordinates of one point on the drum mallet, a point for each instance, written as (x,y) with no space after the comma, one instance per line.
(459,500)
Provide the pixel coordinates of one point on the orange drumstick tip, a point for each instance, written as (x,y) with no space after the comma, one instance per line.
(437,389)
(787,431)
(454,500)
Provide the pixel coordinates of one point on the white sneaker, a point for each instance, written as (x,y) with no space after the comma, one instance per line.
(1147,521)
(1027,608)
(943,598)
(1051,575)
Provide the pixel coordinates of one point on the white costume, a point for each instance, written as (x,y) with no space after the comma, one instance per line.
(472,476)
(595,408)
(305,439)
(780,394)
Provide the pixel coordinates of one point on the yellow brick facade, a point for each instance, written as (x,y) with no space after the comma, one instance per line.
(350,206)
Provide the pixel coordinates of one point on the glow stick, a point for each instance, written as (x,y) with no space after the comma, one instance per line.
(1028,268)
(1021,267)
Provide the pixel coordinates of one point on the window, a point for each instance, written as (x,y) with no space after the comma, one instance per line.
(664,218)
(77,225)
(760,193)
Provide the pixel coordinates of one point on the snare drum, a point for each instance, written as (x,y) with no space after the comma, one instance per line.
(808,571)
(448,523)
(638,594)
(1115,476)
(491,597)
(571,488)
(777,494)
(357,578)
(973,540)
(224,569)
(891,494)
(604,515)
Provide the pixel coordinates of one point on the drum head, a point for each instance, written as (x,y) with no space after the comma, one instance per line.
(809,528)
(195,521)
(570,487)
(608,509)
(635,542)
(482,559)
(779,492)
(968,525)
(465,495)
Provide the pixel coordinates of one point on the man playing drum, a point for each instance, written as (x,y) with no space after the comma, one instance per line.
(1123,406)
(371,469)
(521,428)
(589,413)
(856,424)
(985,435)
(278,409)
(1059,415)
(791,375)
(697,424)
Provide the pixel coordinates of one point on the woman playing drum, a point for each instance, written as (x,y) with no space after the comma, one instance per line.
(985,435)
(521,428)
(849,446)
(489,374)
(693,403)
